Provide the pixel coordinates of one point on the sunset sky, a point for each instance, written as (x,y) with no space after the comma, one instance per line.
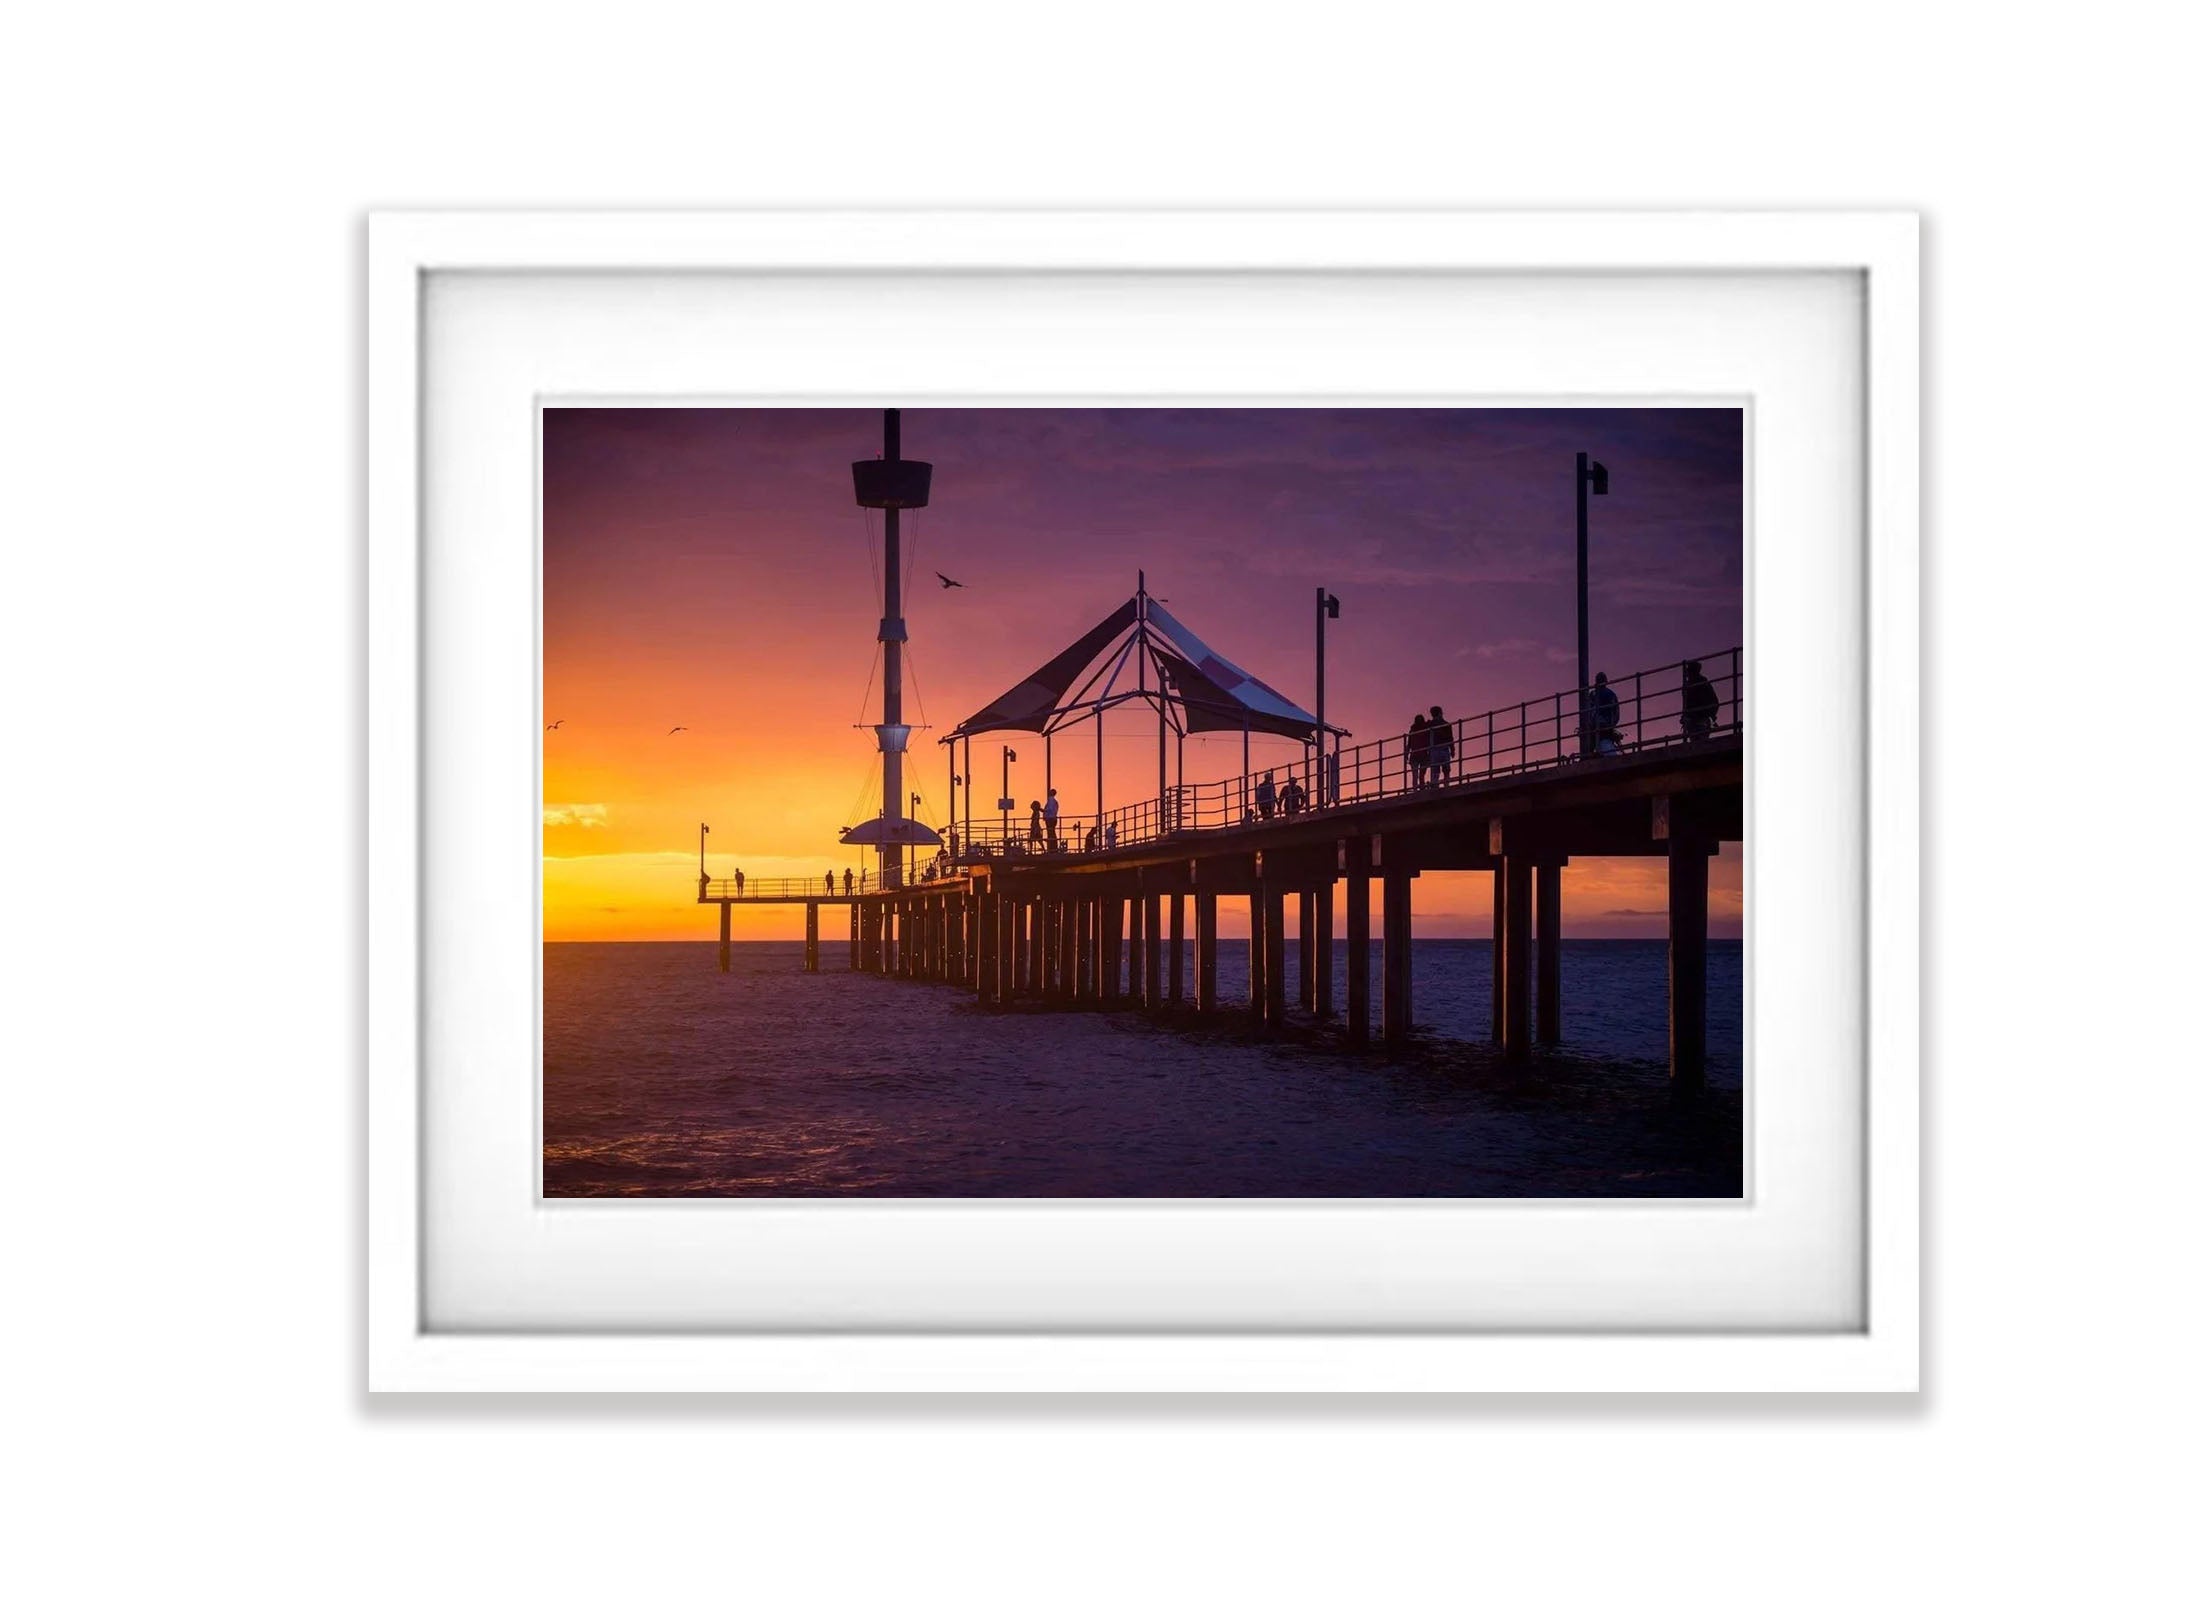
(710,568)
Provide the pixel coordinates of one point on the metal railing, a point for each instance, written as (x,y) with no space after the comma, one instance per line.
(828,887)
(1655,708)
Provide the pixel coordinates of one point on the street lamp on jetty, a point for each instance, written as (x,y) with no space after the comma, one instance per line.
(1589,478)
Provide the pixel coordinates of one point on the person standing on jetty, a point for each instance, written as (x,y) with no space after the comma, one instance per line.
(1439,745)
(1417,749)
(1053,815)
(1603,719)
(1264,797)
(1699,701)
(1038,828)
(740,883)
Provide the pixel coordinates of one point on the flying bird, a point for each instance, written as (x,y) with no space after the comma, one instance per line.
(945,581)
(555,726)
(682,728)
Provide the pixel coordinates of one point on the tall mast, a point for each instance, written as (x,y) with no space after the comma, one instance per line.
(893,733)
(892,485)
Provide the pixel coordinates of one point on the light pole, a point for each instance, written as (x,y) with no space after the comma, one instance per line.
(1589,478)
(702,868)
(1008,754)
(1325,608)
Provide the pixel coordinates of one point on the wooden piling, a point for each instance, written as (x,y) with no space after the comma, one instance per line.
(725,936)
(1688,917)
(1519,953)
(989,945)
(1205,955)
(1397,958)
(1271,960)
(1111,949)
(1135,976)
(1152,907)
(1306,952)
(1497,954)
(1325,910)
(1256,954)
(1357,856)
(1547,939)
(1176,949)
(809,937)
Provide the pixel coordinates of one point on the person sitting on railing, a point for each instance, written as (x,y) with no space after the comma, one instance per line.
(1417,749)
(1439,745)
(1264,797)
(1604,719)
(1699,701)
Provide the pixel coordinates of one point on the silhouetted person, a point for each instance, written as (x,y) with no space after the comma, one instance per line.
(1439,744)
(1417,750)
(1109,843)
(1603,719)
(1264,797)
(1294,797)
(1699,701)
(1038,826)
(1053,814)
(740,883)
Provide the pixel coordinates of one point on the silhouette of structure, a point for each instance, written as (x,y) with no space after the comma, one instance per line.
(893,486)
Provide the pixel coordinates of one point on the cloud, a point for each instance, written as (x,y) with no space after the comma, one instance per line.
(1513,650)
(1628,911)
(591,816)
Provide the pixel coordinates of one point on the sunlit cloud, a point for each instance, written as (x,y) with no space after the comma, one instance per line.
(591,816)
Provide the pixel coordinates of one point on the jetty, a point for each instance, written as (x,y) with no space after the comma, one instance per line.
(1118,907)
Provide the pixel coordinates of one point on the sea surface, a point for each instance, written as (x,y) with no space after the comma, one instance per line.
(663,1076)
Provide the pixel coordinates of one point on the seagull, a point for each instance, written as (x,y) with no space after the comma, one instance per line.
(945,581)
(555,726)
(682,728)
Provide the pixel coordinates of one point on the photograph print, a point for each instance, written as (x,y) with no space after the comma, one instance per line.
(1203,803)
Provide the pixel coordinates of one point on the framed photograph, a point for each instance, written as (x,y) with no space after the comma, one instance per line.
(1055,801)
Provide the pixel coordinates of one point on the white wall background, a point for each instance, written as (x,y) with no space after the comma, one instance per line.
(178,617)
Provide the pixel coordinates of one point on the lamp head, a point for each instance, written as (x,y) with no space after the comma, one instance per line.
(1600,481)
(1329,604)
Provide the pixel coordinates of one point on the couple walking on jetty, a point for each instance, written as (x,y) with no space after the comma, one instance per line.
(1046,825)
(1428,748)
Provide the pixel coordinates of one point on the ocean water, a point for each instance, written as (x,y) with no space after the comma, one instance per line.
(663,1076)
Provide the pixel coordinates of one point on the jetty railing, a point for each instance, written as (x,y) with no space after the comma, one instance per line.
(1651,709)
(744,887)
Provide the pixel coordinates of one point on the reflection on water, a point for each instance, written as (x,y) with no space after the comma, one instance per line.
(663,1076)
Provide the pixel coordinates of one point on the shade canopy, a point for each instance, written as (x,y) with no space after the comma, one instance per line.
(1208,692)
(889,830)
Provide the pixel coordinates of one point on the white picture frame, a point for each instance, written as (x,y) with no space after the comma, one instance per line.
(408,1351)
